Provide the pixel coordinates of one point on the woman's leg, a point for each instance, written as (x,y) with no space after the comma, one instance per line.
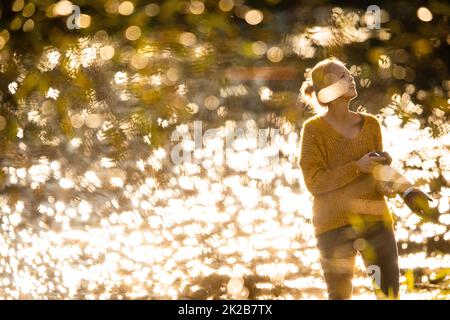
(337,257)
(380,256)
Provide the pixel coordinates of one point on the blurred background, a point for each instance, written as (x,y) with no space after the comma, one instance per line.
(91,92)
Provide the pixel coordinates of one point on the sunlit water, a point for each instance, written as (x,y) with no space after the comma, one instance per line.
(204,224)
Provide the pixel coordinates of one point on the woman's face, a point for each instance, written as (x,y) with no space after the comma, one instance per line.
(342,81)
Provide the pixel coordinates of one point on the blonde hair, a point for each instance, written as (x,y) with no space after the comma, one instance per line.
(314,82)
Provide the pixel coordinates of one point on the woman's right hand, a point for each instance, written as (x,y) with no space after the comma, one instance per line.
(367,163)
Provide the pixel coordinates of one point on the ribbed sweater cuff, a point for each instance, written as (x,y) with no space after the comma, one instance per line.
(351,170)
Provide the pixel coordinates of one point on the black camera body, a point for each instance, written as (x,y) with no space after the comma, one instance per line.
(379,154)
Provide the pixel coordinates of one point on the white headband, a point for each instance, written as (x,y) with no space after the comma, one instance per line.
(333,91)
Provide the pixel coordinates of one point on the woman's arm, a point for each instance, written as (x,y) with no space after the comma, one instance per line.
(318,178)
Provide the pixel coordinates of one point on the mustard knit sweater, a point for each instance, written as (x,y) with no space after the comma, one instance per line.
(342,195)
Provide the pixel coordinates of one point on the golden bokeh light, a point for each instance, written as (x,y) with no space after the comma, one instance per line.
(139,61)
(17,5)
(188,39)
(424,14)
(192,108)
(384,61)
(173,74)
(16,24)
(212,102)
(152,10)
(5,35)
(126,8)
(48,107)
(265,93)
(107,52)
(259,48)
(77,121)
(133,33)
(399,72)
(254,17)
(62,8)
(28,11)
(112,6)
(28,26)
(197,7)
(226,5)
(275,54)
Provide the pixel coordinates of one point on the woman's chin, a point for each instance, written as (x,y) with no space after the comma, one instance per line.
(351,95)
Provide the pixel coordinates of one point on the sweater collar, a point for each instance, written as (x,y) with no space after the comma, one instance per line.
(340,135)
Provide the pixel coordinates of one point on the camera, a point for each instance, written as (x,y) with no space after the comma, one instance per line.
(379,154)
(419,203)
(415,199)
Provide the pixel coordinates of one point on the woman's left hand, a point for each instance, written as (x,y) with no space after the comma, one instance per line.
(387,156)
(386,188)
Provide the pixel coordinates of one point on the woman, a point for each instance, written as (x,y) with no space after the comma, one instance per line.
(350,212)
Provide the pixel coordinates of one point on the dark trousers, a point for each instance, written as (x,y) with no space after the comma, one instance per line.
(378,248)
